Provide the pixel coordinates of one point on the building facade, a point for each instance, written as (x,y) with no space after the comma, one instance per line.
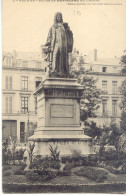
(22,72)
(109,78)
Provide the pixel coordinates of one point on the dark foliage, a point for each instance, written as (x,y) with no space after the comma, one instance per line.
(92,174)
(19,154)
(43,168)
(20,170)
(42,175)
(90,160)
(123,62)
(90,96)
(116,167)
(32,176)
(92,130)
(6,154)
(6,173)
(6,168)
(40,163)
(54,153)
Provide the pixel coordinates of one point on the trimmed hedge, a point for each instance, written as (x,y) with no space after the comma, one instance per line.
(42,175)
(92,173)
(90,160)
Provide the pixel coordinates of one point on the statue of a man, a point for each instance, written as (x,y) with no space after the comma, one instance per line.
(60,42)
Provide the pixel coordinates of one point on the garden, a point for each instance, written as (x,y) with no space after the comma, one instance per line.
(109,167)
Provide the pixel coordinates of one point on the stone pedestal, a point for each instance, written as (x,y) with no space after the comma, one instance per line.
(58,109)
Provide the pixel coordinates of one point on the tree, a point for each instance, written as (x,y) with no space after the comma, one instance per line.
(90,97)
(122,132)
(92,130)
(114,138)
(123,106)
(123,63)
(123,92)
(113,135)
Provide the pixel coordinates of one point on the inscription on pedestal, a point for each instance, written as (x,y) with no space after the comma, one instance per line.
(62,93)
(62,111)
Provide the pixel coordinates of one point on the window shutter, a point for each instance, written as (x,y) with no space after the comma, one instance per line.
(6,82)
(10,83)
(6,106)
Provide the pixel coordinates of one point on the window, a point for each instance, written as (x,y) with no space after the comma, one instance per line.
(114,107)
(114,87)
(38,80)
(24,83)
(8,105)
(104,69)
(25,64)
(104,106)
(38,65)
(24,105)
(104,86)
(8,60)
(8,83)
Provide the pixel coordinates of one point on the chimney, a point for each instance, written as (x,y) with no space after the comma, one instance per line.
(95,55)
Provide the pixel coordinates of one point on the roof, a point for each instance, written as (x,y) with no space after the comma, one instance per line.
(104,61)
(25,55)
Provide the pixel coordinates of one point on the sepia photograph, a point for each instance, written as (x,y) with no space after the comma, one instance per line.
(63,96)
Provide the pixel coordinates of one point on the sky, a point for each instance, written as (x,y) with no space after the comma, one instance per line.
(25,25)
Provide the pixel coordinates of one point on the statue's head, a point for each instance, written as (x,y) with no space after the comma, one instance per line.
(58,18)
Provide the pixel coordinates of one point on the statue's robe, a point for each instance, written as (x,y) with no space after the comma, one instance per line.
(60,39)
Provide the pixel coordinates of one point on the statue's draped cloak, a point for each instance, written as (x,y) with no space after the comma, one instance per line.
(57,38)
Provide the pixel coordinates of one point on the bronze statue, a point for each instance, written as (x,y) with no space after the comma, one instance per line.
(59,44)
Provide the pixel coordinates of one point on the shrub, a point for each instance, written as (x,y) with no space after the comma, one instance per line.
(32,176)
(46,168)
(65,159)
(7,173)
(20,170)
(55,164)
(114,163)
(90,160)
(77,160)
(68,166)
(40,163)
(42,175)
(109,155)
(43,163)
(124,168)
(54,153)
(91,173)
(64,173)
(117,170)
(48,174)
(6,154)
(19,154)
(112,155)
(67,169)
(5,168)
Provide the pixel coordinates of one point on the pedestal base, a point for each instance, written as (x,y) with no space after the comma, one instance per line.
(67,145)
(58,109)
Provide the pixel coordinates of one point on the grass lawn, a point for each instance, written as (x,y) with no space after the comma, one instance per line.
(73,179)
